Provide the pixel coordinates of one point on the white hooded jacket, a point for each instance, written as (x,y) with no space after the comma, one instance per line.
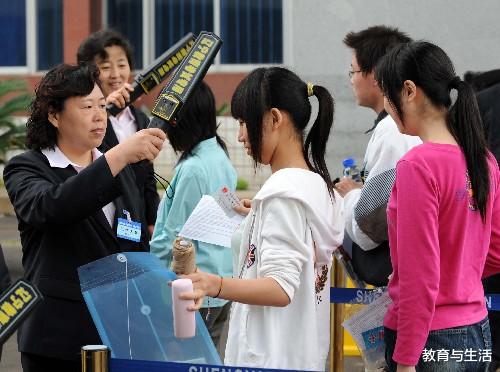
(292,229)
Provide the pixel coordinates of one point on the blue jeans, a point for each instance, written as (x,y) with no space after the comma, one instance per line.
(460,349)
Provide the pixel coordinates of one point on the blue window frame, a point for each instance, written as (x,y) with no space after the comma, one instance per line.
(13,33)
(17,34)
(49,33)
(125,16)
(175,18)
(252,31)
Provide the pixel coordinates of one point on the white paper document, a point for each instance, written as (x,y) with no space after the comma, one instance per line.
(368,318)
(367,329)
(210,224)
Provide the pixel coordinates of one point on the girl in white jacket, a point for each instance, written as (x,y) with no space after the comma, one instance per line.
(280,315)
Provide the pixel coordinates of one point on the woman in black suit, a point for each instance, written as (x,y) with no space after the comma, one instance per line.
(68,197)
(112,54)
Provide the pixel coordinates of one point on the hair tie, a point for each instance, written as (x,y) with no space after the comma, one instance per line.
(310,87)
(455,82)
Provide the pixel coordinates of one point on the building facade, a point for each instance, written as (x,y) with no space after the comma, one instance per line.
(305,35)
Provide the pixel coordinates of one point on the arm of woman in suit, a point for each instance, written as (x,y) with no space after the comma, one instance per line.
(143,145)
(41,200)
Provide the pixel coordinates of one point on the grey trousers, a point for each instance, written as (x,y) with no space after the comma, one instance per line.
(216,323)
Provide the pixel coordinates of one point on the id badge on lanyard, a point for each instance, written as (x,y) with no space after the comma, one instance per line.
(128,229)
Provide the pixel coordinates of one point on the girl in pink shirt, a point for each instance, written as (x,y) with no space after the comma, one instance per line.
(443,217)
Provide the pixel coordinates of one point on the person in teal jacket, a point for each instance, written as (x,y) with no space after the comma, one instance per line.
(204,168)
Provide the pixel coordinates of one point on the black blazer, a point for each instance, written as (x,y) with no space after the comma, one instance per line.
(63,227)
(4,273)
(144,171)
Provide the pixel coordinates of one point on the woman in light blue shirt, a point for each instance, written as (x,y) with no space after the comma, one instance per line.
(203,169)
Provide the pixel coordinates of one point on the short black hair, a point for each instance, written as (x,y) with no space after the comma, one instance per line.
(59,84)
(196,122)
(95,44)
(373,43)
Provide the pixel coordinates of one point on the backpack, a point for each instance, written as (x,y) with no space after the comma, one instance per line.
(373,266)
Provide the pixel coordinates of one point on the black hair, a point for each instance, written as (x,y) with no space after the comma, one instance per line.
(196,122)
(94,46)
(432,71)
(277,87)
(480,80)
(59,84)
(373,43)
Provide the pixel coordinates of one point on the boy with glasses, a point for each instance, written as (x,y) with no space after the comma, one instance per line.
(365,203)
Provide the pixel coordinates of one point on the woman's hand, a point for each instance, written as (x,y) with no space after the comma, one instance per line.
(204,284)
(244,207)
(120,97)
(347,184)
(143,145)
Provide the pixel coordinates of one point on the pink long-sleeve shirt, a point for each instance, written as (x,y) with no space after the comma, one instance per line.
(440,247)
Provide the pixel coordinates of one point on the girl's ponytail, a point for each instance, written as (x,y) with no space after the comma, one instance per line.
(465,124)
(430,68)
(316,140)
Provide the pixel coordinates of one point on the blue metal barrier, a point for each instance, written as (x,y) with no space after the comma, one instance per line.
(337,295)
(124,365)
(365,296)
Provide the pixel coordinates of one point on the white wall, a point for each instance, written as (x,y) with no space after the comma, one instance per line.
(469,31)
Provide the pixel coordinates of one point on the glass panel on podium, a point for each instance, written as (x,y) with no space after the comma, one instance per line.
(131,304)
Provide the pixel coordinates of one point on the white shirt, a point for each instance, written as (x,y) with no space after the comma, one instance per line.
(124,125)
(365,208)
(289,235)
(57,159)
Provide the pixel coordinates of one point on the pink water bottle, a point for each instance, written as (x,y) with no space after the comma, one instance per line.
(184,320)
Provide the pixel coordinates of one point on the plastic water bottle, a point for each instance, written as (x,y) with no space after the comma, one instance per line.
(350,169)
